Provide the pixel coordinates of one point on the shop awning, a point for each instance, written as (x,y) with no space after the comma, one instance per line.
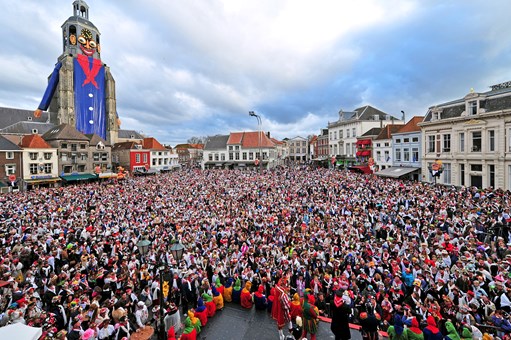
(41,180)
(107,175)
(365,153)
(78,177)
(363,142)
(396,171)
(364,169)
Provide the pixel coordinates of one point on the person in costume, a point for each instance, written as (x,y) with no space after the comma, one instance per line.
(341,311)
(414,332)
(310,315)
(236,291)
(171,334)
(210,305)
(218,299)
(295,308)
(370,322)
(189,332)
(431,331)
(219,286)
(270,299)
(260,300)
(452,334)
(246,296)
(172,318)
(227,291)
(195,321)
(201,312)
(280,308)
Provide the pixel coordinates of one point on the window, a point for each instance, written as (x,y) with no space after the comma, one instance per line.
(378,145)
(230,147)
(63,146)
(95,156)
(462,174)
(47,156)
(476,141)
(137,158)
(104,156)
(74,147)
(145,158)
(491,175)
(47,168)
(237,147)
(415,154)
(378,156)
(476,167)
(491,141)
(406,155)
(81,168)
(32,155)
(237,156)
(472,107)
(447,173)
(415,140)
(347,133)
(9,155)
(387,144)
(387,156)
(222,157)
(335,135)
(250,156)
(406,140)
(83,146)
(353,149)
(154,161)
(348,148)
(231,156)
(10,169)
(216,157)
(64,156)
(431,143)
(446,143)
(398,155)
(210,157)
(83,156)
(398,141)
(354,132)
(304,143)
(33,168)
(340,134)
(462,141)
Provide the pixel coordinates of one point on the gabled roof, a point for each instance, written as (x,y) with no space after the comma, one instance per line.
(276,142)
(129,134)
(94,139)
(218,142)
(497,99)
(412,125)
(368,113)
(182,146)
(7,145)
(124,146)
(372,132)
(34,142)
(152,144)
(64,132)
(252,139)
(10,116)
(197,146)
(388,130)
(27,128)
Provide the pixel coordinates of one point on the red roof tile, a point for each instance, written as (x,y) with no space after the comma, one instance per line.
(152,144)
(250,139)
(412,126)
(34,142)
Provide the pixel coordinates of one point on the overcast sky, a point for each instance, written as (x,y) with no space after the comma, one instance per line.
(196,68)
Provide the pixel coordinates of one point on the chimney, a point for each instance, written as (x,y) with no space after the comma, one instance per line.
(268,134)
(403,115)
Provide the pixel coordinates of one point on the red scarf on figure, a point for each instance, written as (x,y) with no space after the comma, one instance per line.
(338,301)
(90,74)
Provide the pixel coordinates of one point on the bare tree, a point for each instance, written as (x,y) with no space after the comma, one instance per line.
(196,140)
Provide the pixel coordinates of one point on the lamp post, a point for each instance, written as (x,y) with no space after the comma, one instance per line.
(253,114)
(143,247)
(177,250)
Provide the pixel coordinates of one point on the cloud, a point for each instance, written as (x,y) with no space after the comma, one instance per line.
(197,68)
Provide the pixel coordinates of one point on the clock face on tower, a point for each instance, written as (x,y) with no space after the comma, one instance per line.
(87,43)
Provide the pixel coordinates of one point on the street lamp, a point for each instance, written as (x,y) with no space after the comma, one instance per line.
(143,247)
(177,250)
(253,114)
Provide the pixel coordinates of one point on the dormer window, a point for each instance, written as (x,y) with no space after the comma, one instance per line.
(472,107)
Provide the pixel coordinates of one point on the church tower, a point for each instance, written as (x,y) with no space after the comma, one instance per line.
(81,89)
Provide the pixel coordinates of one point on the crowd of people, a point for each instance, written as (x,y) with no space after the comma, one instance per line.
(414,259)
